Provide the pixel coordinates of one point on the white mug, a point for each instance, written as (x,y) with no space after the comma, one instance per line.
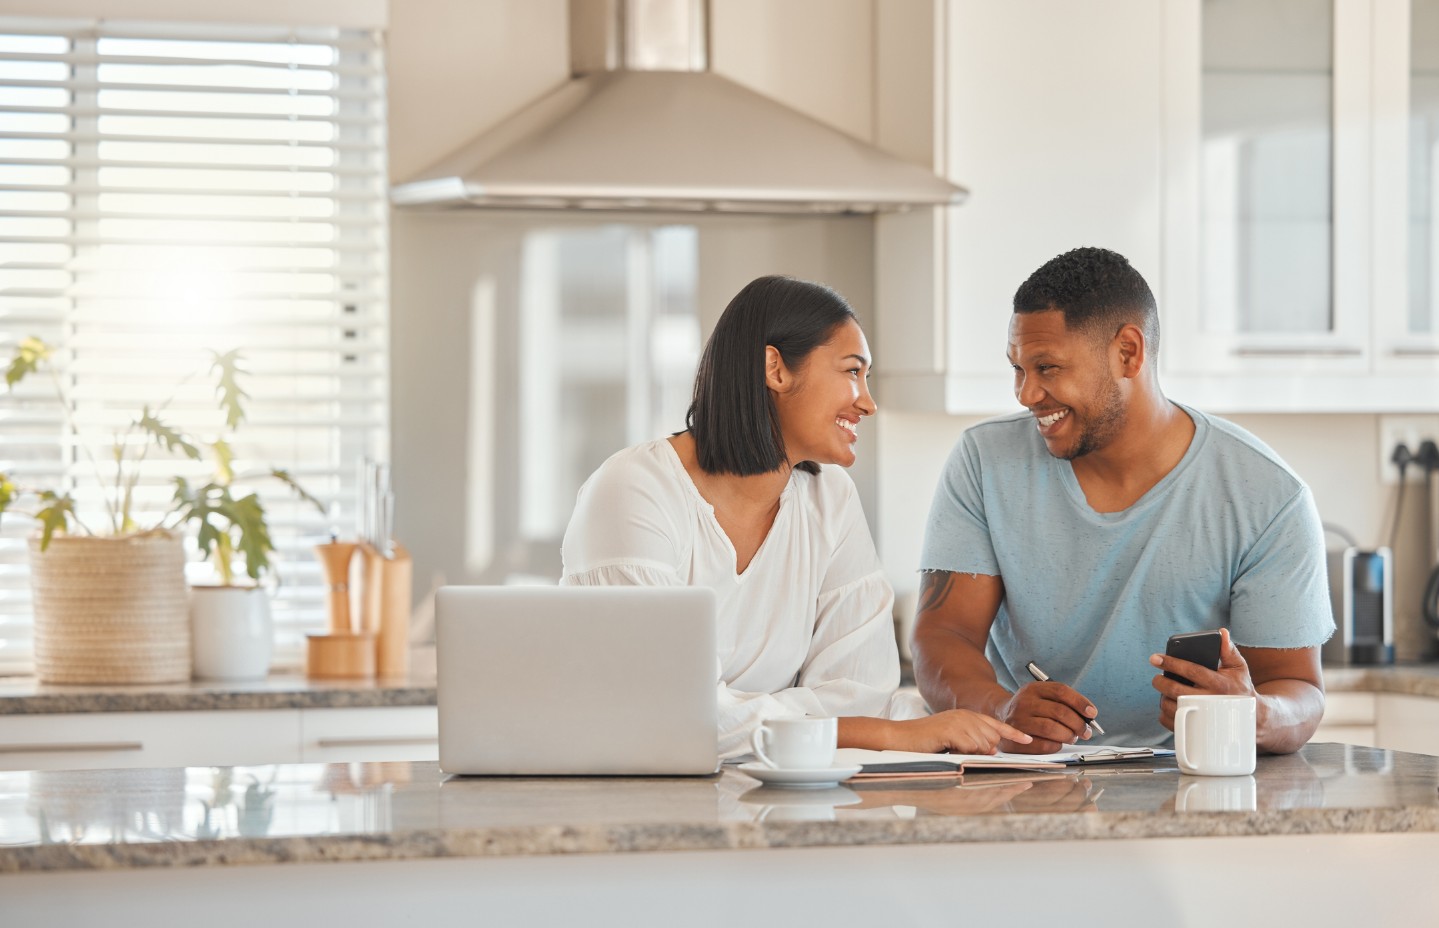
(796,744)
(1214,735)
(1215,794)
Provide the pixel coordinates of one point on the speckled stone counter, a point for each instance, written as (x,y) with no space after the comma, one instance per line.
(1405,679)
(27,696)
(202,817)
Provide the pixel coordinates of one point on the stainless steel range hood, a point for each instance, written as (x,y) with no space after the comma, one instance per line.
(645,125)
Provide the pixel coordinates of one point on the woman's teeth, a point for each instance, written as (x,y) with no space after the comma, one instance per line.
(1047,421)
(851,427)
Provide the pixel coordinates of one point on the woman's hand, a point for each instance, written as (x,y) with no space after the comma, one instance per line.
(956,731)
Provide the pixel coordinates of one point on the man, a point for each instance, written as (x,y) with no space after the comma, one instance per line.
(1084,532)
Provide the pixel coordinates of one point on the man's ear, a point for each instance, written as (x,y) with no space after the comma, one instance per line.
(776,376)
(1129,350)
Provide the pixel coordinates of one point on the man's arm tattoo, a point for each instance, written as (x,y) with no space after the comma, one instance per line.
(934,588)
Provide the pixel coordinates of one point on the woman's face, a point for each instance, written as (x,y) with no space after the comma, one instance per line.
(820,404)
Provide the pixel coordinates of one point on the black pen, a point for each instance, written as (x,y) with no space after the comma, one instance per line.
(1043,677)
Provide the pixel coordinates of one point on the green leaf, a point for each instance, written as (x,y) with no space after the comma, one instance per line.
(228,364)
(224,462)
(8,492)
(248,517)
(166,437)
(284,477)
(55,517)
(28,355)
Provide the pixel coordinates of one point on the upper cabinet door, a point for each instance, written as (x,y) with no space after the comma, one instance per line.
(1406,202)
(1268,164)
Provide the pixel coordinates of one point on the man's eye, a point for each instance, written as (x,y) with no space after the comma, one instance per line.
(1045,368)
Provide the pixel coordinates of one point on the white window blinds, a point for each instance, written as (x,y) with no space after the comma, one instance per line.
(170,191)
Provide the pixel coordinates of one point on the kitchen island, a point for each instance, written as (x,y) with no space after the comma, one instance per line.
(1331,830)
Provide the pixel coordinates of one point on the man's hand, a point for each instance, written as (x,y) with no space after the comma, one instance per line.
(1231,679)
(1052,713)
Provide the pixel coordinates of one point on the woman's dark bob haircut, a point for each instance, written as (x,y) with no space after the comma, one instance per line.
(733,417)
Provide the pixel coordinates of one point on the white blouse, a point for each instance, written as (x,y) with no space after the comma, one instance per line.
(805,630)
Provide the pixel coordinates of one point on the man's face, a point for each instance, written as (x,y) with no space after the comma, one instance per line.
(1064,378)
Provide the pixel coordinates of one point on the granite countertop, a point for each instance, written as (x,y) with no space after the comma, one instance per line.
(191,817)
(27,696)
(1405,679)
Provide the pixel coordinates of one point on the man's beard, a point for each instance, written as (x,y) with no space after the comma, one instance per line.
(1100,427)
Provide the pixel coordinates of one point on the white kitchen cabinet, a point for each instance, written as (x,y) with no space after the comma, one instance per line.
(1287,222)
(382,734)
(1060,146)
(1349,718)
(149,739)
(1395,721)
(217,738)
(1263,190)
(1408,723)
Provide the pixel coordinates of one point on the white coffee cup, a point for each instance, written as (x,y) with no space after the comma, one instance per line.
(1215,794)
(796,744)
(1214,735)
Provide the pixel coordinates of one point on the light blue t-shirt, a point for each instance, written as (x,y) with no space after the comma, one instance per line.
(1229,538)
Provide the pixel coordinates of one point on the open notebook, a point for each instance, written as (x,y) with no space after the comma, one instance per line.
(909,763)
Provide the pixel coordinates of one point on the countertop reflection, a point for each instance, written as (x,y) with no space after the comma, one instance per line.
(91,819)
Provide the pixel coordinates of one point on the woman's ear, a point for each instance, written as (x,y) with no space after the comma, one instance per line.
(776,376)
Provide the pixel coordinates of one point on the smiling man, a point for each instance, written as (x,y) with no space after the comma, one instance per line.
(1082,533)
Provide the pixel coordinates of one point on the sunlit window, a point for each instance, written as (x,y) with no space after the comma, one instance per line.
(169,191)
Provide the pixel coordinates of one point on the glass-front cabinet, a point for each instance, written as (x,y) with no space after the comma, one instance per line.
(1410,337)
(1301,198)
(1267,172)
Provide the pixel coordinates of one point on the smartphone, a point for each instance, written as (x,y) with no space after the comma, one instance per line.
(1200,648)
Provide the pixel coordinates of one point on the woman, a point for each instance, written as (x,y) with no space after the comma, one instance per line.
(743,502)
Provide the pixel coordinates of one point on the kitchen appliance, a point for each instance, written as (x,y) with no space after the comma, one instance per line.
(1361,590)
(646,125)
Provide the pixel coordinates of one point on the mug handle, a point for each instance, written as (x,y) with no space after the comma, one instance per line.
(1179,739)
(757,742)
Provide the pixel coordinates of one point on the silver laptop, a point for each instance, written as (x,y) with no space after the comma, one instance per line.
(576,680)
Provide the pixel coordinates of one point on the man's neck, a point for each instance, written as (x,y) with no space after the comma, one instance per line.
(1154,439)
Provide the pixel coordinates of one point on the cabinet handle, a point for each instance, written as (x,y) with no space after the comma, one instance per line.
(1295,351)
(374,742)
(72,747)
(1416,352)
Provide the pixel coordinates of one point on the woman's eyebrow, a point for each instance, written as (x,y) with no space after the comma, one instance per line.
(858,357)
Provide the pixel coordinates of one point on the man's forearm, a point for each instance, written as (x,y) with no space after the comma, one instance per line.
(953,673)
(1288,712)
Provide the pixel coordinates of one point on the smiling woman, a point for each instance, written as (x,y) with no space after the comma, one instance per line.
(752,501)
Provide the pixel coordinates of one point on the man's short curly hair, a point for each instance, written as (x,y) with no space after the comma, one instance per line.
(1098,291)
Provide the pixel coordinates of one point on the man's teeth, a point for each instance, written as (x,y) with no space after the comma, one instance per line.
(1047,421)
(846,424)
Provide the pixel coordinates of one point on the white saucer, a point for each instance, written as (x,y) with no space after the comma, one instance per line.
(821,778)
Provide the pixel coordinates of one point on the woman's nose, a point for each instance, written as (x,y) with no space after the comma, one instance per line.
(866,403)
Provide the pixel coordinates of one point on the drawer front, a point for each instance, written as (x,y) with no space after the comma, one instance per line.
(149,739)
(386,734)
(1409,723)
(1349,709)
(1347,734)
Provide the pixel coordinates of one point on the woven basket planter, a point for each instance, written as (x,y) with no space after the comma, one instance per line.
(111,610)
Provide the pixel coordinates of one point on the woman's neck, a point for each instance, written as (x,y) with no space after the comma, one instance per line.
(730,493)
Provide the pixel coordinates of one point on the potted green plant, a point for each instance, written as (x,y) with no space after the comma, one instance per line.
(111,603)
